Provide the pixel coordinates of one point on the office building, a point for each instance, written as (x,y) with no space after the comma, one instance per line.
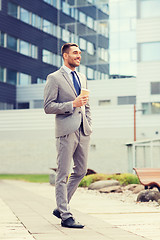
(31,35)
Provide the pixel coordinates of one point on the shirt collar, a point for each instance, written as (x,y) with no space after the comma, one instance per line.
(68,70)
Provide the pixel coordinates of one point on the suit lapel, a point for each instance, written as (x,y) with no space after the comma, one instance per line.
(65,75)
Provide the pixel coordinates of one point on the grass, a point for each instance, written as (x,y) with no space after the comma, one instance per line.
(124,178)
(40,178)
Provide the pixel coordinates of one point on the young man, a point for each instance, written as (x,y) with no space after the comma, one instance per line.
(72,128)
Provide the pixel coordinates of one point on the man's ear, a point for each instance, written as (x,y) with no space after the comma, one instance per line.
(65,56)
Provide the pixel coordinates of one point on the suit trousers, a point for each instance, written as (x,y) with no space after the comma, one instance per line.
(74,145)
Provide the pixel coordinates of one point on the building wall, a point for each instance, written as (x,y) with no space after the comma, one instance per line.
(8,94)
(27,141)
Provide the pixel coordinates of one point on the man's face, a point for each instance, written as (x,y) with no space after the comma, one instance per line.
(73,57)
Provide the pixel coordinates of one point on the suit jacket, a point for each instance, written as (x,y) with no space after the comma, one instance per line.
(59,93)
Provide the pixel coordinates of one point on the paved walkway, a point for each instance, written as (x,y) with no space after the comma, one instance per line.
(25,213)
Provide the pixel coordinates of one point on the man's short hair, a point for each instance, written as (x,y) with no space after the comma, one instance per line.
(66,46)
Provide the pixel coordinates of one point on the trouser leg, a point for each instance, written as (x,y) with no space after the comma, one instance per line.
(80,157)
(65,147)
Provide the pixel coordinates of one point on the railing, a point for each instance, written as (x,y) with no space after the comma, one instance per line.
(143,154)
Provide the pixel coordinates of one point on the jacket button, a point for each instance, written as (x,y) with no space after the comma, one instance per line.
(79,112)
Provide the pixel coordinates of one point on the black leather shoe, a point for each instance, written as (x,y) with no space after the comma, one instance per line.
(56,213)
(71,223)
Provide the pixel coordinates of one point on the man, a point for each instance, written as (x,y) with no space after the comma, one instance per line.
(72,128)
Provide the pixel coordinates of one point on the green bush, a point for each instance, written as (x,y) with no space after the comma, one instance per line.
(124,178)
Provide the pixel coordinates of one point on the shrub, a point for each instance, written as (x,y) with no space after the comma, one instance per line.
(124,178)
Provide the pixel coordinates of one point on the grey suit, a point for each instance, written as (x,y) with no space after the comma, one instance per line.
(72,130)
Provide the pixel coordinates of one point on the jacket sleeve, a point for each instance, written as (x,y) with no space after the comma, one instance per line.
(88,110)
(51,106)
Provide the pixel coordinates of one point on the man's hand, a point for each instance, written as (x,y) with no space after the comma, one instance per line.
(80,101)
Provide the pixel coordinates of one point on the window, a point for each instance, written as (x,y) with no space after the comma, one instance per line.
(104,102)
(90,22)
(155,87)
(24,47)
(150,51)
(65,35)
(1,74)
(13,9)
(46,56)
(11,76)
(149,8)
(24,79)
(47,26)
(38,103)
(82,17)
(39,80)
(34,20)
(23,105)
(6,106)
(82,43)
(24,15)
(90,48)
(33,51)
(2,39)
(11,43)
(39,22)
(65,8)
(0,5)
(90,73)
(151,108)
(126,100)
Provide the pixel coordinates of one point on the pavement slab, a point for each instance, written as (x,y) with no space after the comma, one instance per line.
(26,213)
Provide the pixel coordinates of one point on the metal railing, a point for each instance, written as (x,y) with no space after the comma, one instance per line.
(143,154)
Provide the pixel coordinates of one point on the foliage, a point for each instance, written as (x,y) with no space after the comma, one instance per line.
(124,178)
(41,178)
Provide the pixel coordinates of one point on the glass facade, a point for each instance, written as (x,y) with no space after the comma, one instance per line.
(88,27)
(122,47)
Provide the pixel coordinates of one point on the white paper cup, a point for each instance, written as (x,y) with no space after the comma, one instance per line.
(85,92)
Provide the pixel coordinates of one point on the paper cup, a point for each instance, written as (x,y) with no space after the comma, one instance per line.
(84,92)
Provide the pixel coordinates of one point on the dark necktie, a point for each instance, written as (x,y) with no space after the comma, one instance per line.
(76,85)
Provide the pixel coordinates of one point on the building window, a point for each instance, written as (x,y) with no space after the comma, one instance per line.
(51,2)
(2,39)
(82,17)
(149,8)
(39,81)
(6,106)
(11,43)
(126,100)
(11,77)
(104,102)
(66,8)
(82,43)
(24,47)
(90,48)
(0,4)
(38,103)
(47,26)
(23,105)
(13,10)
(65,35)
(24,79)
(1,74)
(46,56)
(24,15)
(33,53)
(150,51)
(151,108)
(155,87)
(90,22)
(90,73)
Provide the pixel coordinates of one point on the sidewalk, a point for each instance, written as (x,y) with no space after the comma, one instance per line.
(26,213)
